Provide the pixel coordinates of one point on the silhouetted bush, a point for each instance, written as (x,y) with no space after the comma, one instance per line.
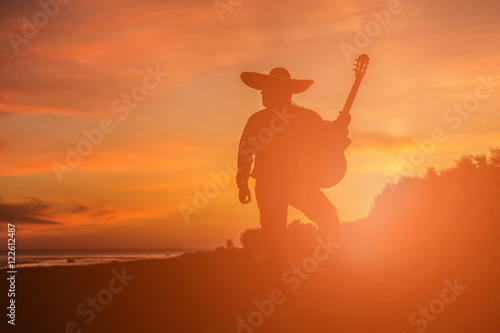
(301,240)
(251,240)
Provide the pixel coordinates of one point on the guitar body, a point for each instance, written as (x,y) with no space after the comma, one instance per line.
(334,170)
(325,162)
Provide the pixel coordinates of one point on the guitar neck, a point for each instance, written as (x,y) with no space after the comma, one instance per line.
(352,95)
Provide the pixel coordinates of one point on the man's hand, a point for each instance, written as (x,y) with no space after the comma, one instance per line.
(344,118)
(245,195)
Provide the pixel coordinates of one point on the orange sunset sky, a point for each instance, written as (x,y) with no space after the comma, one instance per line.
(126,193)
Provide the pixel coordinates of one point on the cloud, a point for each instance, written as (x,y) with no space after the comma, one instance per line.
(92,52)
(379,141)
(80,209)
(85,57)
(37,212)
(33,211)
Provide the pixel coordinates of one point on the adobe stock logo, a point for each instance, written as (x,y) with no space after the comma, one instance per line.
(40,19)
(372,29)
(429,314)
(292,279)
(248,145)
(89,309)
(455,117)
(223,6)
(95,136)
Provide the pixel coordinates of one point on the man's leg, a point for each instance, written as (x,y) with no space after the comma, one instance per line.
(319,209)
(273,221)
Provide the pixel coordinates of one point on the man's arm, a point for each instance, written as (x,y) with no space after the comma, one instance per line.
(342,122)
(245,160)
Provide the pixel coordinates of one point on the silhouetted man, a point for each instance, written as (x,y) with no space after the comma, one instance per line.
(279,138)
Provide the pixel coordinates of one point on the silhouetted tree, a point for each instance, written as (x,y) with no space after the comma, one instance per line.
(444,217)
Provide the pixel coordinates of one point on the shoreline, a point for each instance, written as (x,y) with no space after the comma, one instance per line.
(76,264)
(84,259)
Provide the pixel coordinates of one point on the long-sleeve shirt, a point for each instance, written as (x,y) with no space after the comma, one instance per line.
(278,140)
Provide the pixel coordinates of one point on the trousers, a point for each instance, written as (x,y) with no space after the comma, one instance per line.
(273,199)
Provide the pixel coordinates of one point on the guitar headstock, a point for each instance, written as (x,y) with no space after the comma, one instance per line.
(361,65)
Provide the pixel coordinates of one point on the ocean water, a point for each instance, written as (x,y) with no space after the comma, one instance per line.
(36,258)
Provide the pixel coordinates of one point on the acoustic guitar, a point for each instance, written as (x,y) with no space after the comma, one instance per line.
(325,161)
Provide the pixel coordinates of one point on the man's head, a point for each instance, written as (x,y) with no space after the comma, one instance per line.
(277,87)
(275,98)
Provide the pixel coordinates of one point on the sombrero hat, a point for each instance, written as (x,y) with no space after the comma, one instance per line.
(277,78)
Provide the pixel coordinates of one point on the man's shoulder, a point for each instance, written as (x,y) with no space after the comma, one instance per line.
(294,109)
(259,113)
(308,113)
